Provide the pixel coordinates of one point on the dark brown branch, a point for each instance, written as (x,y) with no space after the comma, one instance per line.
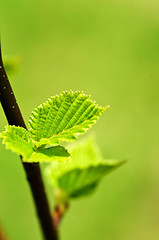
(33,173)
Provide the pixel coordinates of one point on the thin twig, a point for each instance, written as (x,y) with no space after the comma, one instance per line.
(58,214)
(33,173)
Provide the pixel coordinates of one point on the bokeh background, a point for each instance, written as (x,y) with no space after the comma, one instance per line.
(109,49)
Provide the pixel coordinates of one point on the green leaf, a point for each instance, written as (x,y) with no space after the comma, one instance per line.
(18,140)
(81,176)
(57,153)
(79,182)
(63,118)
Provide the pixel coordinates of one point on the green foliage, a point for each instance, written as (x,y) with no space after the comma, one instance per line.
(61,118)
(56,153)
(81,176)
(18,140)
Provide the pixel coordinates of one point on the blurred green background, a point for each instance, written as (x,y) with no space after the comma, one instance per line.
(109,49)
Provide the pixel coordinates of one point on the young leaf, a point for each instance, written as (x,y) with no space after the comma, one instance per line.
(18,140)
(82,175)
(56,153)
(82,181)
(63,118)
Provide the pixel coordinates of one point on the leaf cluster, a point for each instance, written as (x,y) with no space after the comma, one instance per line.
(74,172)
(61,118)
